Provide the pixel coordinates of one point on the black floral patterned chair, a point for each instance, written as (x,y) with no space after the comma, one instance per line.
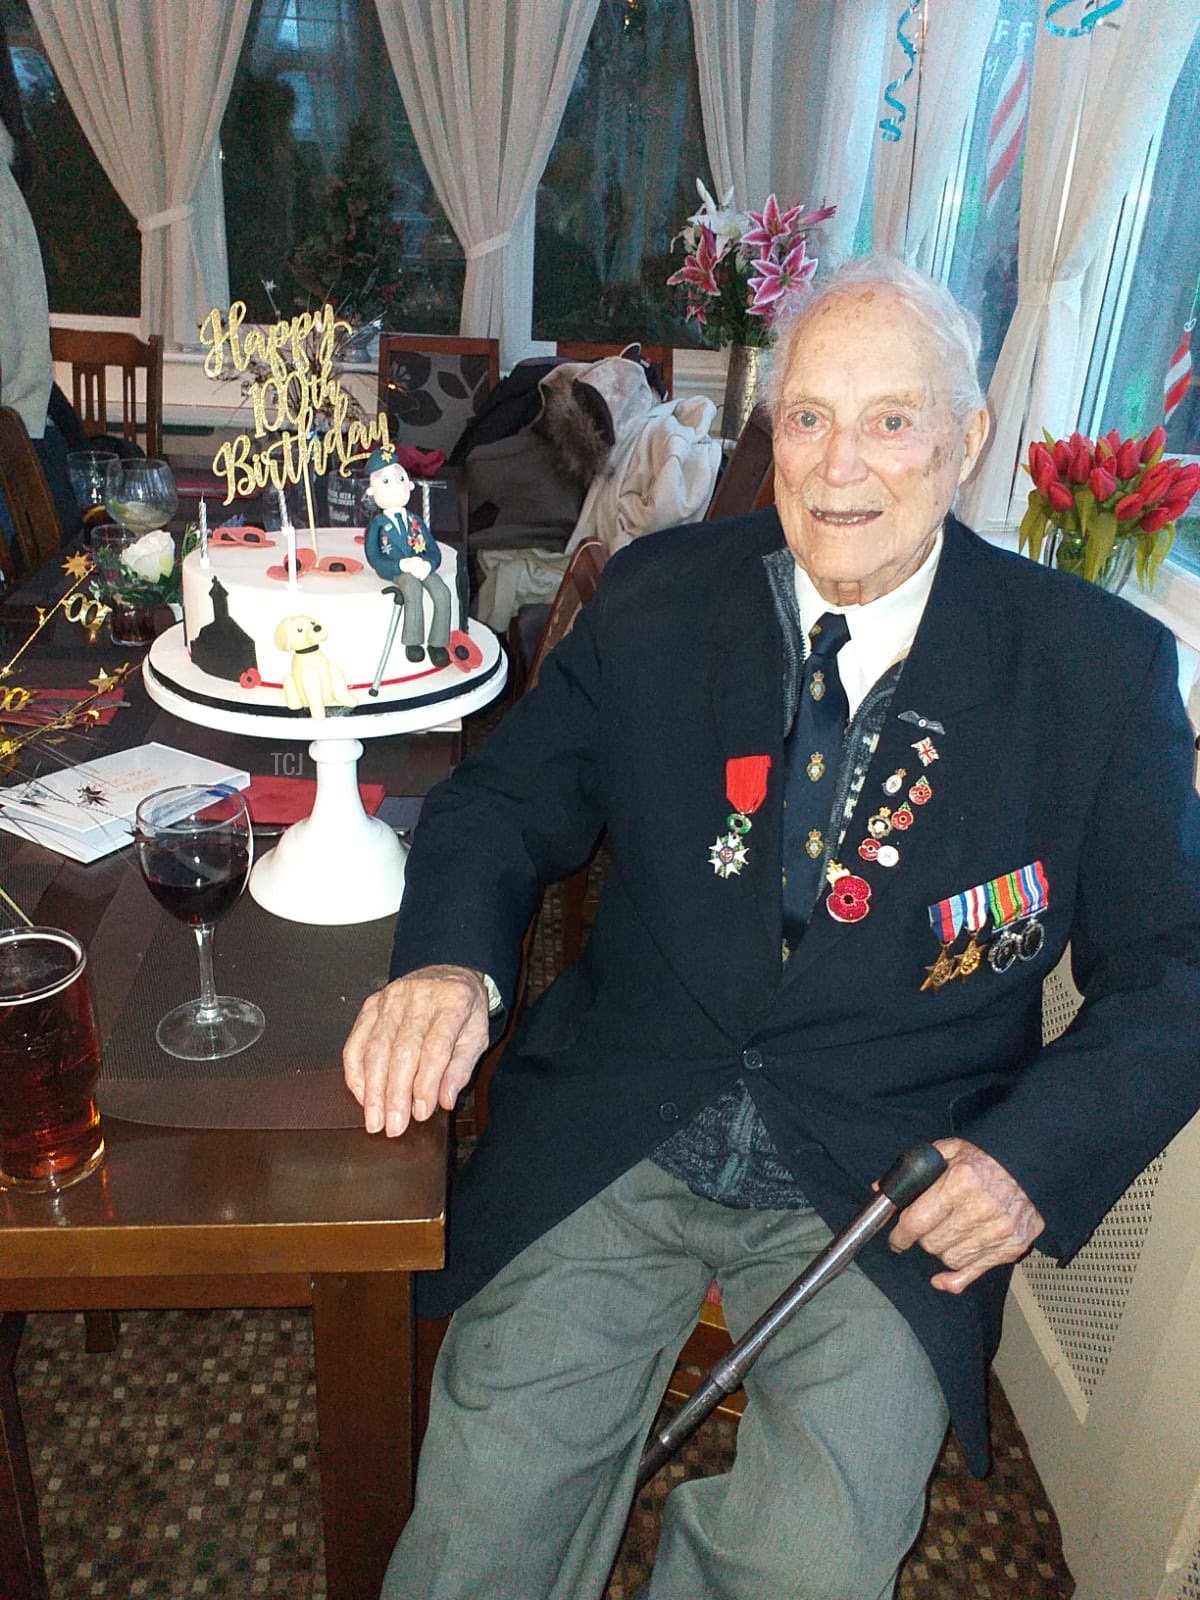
(432,386)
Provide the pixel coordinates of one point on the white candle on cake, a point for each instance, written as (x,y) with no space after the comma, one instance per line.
(289,533)
(204,561)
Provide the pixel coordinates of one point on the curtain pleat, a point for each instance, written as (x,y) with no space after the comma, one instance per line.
(485,87)
(149,83)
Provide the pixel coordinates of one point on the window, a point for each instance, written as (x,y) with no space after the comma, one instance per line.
(977,231)
(91,248)
(1152,293)
(326,196)
(621,180)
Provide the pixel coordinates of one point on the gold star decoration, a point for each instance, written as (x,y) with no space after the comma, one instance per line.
(103,681)
(77,566)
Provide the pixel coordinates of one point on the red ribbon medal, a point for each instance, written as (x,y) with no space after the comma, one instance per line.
(745,789)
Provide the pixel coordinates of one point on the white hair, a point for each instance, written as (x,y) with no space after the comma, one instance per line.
(8,151)
(954,330)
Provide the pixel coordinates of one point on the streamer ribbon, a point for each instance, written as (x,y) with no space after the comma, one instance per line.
(1086,23)
(890,127)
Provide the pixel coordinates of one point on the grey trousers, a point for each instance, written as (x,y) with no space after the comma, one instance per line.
(549,1378)
(412,630)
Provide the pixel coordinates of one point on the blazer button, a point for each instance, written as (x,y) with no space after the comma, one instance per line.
(752,1060)
(668,1111)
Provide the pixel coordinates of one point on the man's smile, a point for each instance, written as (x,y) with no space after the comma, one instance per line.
(854,517)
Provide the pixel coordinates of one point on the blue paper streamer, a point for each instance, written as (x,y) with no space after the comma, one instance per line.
(1086,24)
(890,127)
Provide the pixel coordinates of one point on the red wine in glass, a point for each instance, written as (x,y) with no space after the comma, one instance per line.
(195,848)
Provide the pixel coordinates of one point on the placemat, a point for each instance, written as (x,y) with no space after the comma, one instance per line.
(309,981)
(25,882)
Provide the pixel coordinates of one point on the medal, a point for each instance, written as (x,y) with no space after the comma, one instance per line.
(727,856)
(745,790)
(1014,898)
(970,959)
(892,785)
(849,896)
(943,969)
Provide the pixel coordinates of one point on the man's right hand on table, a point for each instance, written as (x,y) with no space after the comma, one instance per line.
(414,1046)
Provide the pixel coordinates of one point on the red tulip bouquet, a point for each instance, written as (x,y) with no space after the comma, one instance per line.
(1104,503)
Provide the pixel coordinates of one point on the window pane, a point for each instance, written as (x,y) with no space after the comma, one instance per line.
(983,272)
(620,181)
(325,192)
(91,248)
(1162,297)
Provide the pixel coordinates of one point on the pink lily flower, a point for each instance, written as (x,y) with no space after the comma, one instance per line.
(698,270)
(770,224)
(774,281)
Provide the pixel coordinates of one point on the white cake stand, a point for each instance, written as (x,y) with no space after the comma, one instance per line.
(338,865)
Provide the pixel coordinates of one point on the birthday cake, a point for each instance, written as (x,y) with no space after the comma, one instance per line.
(331,643)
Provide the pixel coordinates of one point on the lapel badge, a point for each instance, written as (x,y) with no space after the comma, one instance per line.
(880,825)
(921,791)
(924,748)
(893,784)
(902,818)
(849,896)
(869,849)
(888,855)
(745,790)
(918,721)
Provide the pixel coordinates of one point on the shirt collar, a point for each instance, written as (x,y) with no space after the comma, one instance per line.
(882,631)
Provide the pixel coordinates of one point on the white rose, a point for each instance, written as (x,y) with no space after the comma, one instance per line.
(151,557)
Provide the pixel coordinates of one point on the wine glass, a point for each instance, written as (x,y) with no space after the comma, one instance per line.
(88,472)
(140,494)
(195,846)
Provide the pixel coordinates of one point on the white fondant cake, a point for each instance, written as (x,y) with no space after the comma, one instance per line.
(234,603)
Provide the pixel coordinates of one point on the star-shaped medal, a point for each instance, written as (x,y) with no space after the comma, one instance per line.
(728,856)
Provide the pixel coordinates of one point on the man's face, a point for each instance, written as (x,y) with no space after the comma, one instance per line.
(867,453)
(391,487)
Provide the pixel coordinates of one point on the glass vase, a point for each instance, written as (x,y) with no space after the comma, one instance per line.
(1066,551)
(747,367)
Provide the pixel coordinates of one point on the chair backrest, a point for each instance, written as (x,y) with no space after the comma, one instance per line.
(576,589)
(38,531)
(432,386)
(748,481)
(91,355)
(662,355)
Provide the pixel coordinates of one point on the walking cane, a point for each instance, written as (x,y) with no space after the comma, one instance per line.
(393,624)
(909,1176)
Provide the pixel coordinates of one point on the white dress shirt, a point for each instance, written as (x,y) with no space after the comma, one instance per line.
(881,632)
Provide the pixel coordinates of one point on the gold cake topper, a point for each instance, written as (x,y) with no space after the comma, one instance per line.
(286,402)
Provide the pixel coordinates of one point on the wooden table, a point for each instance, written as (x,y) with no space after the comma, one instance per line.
(332,1219)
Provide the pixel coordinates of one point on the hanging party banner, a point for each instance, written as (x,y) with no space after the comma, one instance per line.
(1093,13)
(892,127)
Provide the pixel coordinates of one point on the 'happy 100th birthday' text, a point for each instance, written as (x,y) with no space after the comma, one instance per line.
(300,385)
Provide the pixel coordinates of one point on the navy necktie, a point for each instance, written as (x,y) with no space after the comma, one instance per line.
(812,758)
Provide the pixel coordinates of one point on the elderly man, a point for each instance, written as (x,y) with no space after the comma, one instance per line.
(926,765)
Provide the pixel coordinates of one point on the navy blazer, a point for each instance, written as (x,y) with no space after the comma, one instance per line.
(1064,742)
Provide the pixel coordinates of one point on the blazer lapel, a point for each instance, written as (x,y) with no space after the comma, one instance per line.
(930,732)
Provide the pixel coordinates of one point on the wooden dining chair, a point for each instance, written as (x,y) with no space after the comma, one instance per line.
(431,386)
(748,481)
(660,355)
(36,526)
(92,355)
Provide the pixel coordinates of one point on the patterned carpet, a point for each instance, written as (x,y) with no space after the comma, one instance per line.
(186,1464)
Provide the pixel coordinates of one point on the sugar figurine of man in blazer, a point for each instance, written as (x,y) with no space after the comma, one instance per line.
(711,1089)
(401,549)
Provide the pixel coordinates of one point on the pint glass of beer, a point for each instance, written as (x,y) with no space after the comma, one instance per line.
(49,1062)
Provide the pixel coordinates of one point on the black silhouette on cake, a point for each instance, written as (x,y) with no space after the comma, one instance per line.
(221,647)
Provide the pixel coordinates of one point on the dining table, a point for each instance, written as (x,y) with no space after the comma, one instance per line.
(248,1182)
